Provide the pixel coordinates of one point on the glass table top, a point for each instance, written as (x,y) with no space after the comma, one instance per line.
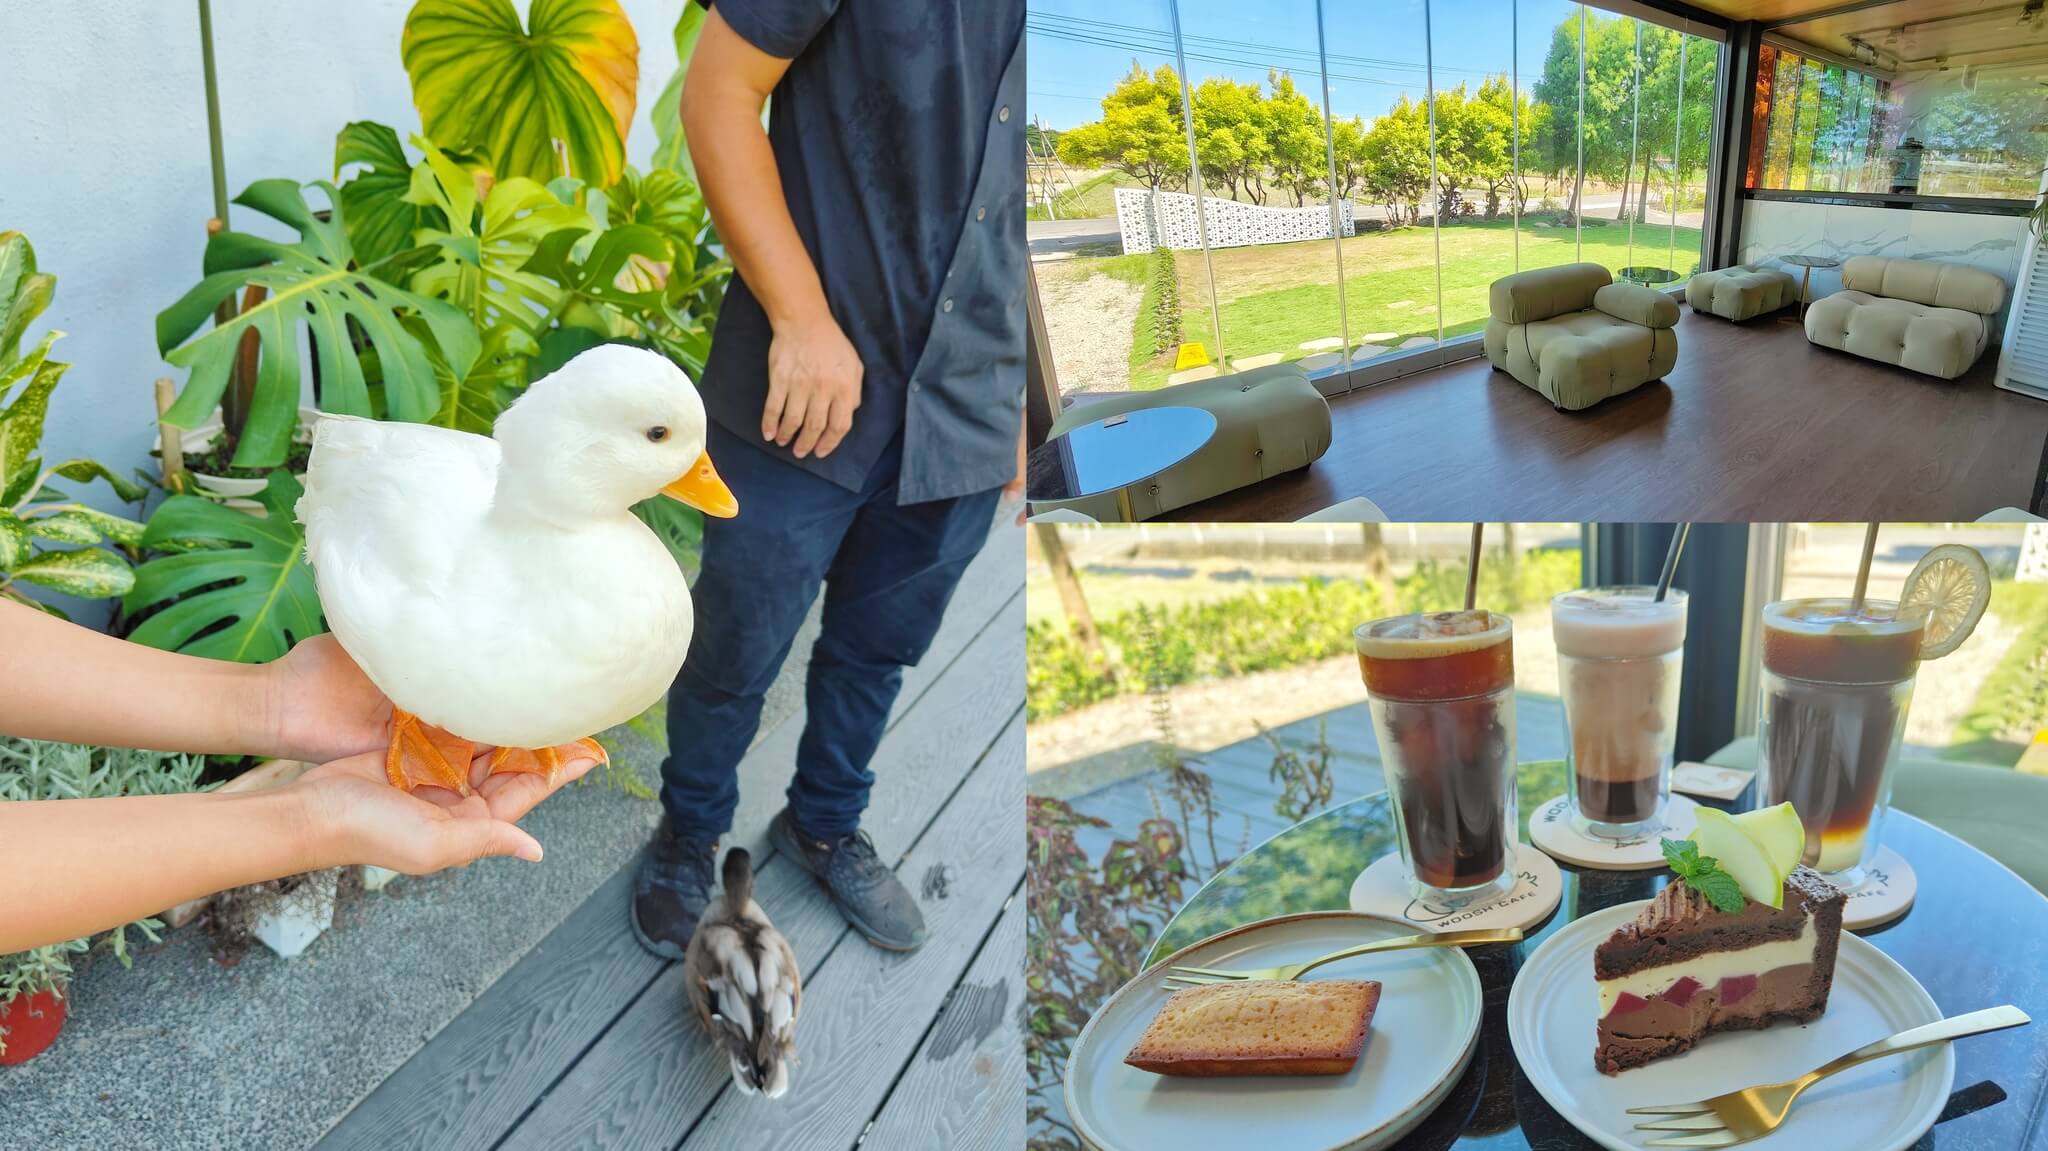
(1976,936)
(1811,261)
(1647,275)
(1115,452)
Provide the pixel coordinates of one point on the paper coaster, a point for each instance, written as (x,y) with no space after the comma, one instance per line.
(1708,780)
(1383,889)
(1885,894)
(1551,829)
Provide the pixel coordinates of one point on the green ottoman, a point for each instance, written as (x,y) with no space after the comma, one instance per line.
(1743,292)
(1269,421)
(1994,809)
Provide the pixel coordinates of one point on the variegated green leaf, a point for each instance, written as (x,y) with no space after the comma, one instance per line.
(88,573)
(65,527)
(86,471)
(24,293)
(119,529)
(567,80)
(13,541)
(21,422)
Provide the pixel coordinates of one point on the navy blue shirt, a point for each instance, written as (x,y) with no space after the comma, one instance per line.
(899,132)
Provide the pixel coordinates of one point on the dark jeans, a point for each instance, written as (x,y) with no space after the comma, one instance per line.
(888,572)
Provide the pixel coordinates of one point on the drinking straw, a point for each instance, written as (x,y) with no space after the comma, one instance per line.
(1863,568)
(1671,560)
(1472,568)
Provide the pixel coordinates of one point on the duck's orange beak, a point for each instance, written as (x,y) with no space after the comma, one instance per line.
(701,488)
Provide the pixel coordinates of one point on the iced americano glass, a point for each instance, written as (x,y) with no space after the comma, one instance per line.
(1620,654)
(1836,683)
(1441,687)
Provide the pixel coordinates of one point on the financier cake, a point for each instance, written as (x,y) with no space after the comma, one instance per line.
(1259,1027)
(1684,969)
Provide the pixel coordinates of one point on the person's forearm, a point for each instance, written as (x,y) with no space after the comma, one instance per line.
(73,685)
(78,866)
(743,189)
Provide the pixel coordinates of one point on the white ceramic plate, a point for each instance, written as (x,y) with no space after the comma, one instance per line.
(1881,1106)
(1419,1042)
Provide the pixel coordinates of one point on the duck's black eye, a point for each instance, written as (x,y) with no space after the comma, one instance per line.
(657,433)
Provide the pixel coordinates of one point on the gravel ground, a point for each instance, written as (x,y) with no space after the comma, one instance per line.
(1092,317)
(180,1052)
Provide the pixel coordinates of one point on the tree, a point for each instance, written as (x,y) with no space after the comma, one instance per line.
(1140,133)
(1294,132)
(1230,137)
(1557,91)
(1396,159)
(1072,599)
(1347,144)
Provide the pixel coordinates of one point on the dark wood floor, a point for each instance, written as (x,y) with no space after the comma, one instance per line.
(1754,424)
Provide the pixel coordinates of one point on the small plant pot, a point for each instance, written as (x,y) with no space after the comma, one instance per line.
(239,491)
(29,1024)
(296,921)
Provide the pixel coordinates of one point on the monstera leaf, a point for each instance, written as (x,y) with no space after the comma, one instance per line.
(671,149)
(243,592)
(379,218)
(517,94)
(482,264)
(311,283)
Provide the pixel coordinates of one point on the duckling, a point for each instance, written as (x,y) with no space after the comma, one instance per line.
(499,589)
(742,979)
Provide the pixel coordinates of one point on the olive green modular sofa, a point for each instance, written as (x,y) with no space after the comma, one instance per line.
(1931,316)
(1576,336)
(1269,421)
(1742,292)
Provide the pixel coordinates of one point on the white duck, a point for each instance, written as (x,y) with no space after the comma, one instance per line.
(500,590)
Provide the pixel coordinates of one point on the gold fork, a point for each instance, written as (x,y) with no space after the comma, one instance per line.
(1753,1112)
(1183,977)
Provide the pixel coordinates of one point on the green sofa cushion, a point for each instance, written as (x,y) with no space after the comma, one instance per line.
(1996,810)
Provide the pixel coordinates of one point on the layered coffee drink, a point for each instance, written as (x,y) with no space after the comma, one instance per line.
(1620,654)
(1441,687)
(1837,680)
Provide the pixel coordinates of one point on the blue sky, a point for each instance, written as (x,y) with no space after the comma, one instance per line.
(1079,49)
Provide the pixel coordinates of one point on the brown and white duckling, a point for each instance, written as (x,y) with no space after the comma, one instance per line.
(742,979)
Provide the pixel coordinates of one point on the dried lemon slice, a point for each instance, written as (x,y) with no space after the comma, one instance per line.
(1955,585)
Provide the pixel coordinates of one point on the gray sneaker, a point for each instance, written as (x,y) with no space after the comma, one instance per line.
(867,893)
(671,891)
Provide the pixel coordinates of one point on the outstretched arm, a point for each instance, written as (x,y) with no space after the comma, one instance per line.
(156,852)
(814,374)
(73,685)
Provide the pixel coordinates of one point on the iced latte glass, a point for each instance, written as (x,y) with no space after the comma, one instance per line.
(1836,683)
(1620,653)
(1442,691)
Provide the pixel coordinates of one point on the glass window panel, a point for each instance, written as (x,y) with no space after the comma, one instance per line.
(1379,90)
(1263,151)
(1472,59)
(1654,243)
(1607,223)
(1700,60)
(1547,61)
(1104,100)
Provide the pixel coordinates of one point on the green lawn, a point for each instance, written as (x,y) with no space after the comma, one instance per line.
(2013,702)
(1278,296)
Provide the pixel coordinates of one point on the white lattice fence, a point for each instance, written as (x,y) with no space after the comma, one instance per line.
(1149,219)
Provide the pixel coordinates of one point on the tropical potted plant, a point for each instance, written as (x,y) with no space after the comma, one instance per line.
(48,539)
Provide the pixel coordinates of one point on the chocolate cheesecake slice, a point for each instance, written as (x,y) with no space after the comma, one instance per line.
(1683,969)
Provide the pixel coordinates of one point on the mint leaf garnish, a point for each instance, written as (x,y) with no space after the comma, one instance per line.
(1703,874)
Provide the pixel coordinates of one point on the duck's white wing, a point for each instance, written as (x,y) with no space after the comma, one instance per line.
(388,510)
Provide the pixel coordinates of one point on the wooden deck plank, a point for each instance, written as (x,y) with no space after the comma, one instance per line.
(868,1010)
(965,1088)
(604,1099)
(481,1072)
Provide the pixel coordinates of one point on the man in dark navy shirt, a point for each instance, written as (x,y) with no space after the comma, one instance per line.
(865,388)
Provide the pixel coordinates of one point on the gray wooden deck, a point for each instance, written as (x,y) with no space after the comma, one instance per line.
(586,1041)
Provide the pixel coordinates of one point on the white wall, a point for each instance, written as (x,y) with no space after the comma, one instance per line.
(1774,228)
(103,160)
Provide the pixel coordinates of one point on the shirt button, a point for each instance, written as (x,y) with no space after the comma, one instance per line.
(981,213)
(915,386)
(1003,114)
(947,306)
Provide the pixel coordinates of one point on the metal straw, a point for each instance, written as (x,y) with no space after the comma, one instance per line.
(1472,568)
(1863,568)
(1671,560)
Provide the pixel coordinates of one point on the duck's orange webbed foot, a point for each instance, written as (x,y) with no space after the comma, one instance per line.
(545,762)
(422,754)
